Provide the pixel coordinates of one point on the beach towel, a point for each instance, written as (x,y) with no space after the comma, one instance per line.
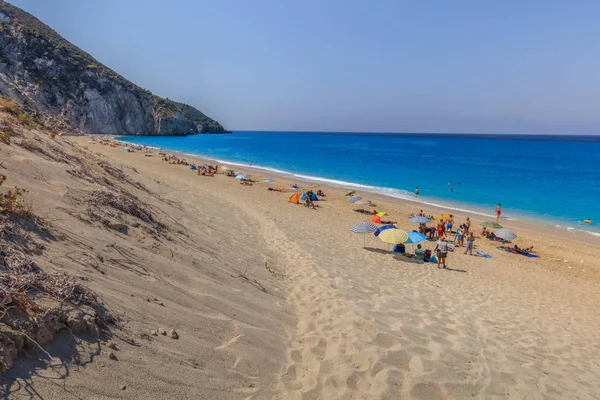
(482,254)
(529,255)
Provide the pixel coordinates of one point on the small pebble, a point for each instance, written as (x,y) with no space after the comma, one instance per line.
(173,334)
(123,387)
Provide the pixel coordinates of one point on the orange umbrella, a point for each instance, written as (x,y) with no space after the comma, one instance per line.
(376,219)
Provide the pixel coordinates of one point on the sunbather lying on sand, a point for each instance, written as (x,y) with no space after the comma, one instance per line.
(363,211)
(517,249)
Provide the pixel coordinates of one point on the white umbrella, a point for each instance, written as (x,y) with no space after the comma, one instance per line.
(506,234)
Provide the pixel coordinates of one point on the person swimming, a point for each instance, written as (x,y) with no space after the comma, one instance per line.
(587,221)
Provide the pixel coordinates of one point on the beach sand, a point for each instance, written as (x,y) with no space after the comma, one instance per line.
(275,300)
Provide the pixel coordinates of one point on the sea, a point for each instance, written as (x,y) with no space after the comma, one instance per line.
(553,180)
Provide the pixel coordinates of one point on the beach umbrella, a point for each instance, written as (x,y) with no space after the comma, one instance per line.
(354,199)
(376,219)
(415,237)
(363,202)
(393,236)
(506,234)
(380,214)
(383,228)
(240,177)
(269,180)
(421,220)
(364,227)
(350,193)
(491,224)
(239,173)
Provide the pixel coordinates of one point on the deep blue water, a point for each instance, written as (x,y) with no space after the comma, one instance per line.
(556,180)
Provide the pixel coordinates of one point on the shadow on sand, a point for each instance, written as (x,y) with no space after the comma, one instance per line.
(68,352)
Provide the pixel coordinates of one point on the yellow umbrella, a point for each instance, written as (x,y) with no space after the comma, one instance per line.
(445,216)
(393,236)
(381,214)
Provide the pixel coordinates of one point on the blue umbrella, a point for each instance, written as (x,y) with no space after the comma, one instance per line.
(239,173)
(269,180)
(415,237)
(354,199)
(384,228)
(240,177)
(421,220)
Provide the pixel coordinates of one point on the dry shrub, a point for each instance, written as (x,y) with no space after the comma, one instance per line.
(9,106)
(126,203)
(11,201)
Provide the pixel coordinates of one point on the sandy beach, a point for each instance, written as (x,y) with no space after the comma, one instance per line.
(272,300)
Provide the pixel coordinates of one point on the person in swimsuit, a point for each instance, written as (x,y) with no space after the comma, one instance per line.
(498,211)
(449,223)
(417,191)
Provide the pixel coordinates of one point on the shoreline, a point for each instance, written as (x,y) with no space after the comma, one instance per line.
(523,222)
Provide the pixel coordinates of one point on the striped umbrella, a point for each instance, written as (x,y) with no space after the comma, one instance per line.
(364,227)
(383,228)
(420,220)
(506,234)
(354,199)
(393,236)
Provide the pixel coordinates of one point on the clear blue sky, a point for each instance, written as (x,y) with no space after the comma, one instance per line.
(388,66)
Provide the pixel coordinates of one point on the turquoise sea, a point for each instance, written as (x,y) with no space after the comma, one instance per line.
(549,179)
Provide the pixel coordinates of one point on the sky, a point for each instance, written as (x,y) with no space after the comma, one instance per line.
(441,66)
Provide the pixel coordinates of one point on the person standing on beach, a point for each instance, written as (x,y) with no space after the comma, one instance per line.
(441,248)
(449,223)
(470,240)
(468,224)
(498,211)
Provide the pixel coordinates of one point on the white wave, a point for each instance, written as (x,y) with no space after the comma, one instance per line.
(570,228)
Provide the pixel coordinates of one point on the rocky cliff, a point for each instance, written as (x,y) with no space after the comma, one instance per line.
(45,72)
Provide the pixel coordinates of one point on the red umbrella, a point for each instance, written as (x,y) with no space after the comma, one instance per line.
(376,219)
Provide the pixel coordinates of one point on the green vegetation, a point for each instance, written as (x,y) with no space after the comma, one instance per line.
(5,136)
(27,120)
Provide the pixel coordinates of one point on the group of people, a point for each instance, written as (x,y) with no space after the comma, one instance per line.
(173,159)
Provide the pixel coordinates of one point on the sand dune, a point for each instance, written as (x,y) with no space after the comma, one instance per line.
(273,300)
